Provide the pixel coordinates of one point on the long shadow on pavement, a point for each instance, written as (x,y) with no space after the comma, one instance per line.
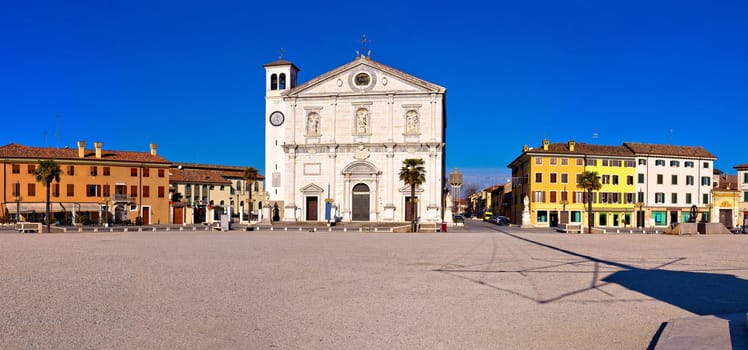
(701,293)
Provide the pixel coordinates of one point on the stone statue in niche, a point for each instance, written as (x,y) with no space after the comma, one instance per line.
(313,124)
(362,121)
(411,122)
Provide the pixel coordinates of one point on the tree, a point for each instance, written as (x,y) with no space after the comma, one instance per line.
(413,173)
(590,181)
(47,172)
(470,189)
(250,176)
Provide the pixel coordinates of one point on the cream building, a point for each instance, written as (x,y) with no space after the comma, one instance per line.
(341,137)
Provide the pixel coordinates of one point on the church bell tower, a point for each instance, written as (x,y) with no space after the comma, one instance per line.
(280,76)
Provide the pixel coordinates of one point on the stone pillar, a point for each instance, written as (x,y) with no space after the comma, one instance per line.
(389,206)
(432,211)
(289,212)
(346,186)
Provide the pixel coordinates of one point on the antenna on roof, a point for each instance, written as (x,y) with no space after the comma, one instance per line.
(671,136)
(280,53)
(594,136)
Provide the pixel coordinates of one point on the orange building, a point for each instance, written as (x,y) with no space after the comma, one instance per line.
(130,186)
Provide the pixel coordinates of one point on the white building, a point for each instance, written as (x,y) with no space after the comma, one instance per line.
(673,179)
(341,138)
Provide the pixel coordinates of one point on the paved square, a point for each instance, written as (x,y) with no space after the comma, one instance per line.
(335,290)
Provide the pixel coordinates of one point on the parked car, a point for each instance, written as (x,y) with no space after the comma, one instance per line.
(502,220)
(458,218)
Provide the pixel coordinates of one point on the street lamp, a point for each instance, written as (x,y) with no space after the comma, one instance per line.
(18,200)
(640,214)
(105,212)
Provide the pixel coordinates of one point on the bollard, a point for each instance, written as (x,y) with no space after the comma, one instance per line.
(345,229)
(96,230)
(272,228)
(168,228)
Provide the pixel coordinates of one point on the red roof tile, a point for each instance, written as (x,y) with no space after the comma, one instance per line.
(14,150)
(669,150)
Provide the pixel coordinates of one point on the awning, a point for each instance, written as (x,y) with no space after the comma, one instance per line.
(56,207)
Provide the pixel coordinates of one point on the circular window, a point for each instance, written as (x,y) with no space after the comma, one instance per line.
(362,79)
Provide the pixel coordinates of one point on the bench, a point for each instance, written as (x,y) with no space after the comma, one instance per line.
(569,228)
(29,227)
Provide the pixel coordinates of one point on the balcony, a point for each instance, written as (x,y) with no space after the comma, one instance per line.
(121,198)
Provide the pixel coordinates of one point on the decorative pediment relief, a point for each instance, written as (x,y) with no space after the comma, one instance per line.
(361,168)
(363,76)
(312,189)
(406,189)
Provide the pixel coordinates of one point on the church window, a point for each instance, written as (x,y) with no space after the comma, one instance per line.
(362,79)
(273,82)
(282,81)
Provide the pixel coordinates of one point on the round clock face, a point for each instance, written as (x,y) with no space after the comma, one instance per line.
(276,118)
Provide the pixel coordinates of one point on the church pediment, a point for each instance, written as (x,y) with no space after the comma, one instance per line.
(406,189)
(311,188)
(363,76)
(361,168)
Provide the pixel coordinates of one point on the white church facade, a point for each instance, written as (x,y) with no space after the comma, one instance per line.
(341,138)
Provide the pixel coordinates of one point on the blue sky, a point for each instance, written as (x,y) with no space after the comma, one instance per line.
(188,75)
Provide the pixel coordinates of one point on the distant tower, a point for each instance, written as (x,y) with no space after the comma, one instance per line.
(455,180)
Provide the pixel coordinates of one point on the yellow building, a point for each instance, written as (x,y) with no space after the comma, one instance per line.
(726,199)
(132,187)
(548,177)
(208,190)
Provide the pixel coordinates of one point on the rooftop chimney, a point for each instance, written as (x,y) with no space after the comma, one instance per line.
(81,149)
(153,148)
(572,143)
(545,144)
(97,145)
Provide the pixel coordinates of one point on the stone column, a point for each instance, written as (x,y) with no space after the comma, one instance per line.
(346,211)
(289,213)
(391,111)
(432,106)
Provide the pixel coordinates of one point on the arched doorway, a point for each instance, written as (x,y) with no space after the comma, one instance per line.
(360,201)
(120,214)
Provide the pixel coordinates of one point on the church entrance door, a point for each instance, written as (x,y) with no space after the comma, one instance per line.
(311,209)
(411,208)
(360,210)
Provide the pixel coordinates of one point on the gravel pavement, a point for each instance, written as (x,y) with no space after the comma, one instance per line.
(477,288)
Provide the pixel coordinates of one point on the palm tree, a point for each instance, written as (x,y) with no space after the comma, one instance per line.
(590,181)
(47,172)
(250,176)
(414,174)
